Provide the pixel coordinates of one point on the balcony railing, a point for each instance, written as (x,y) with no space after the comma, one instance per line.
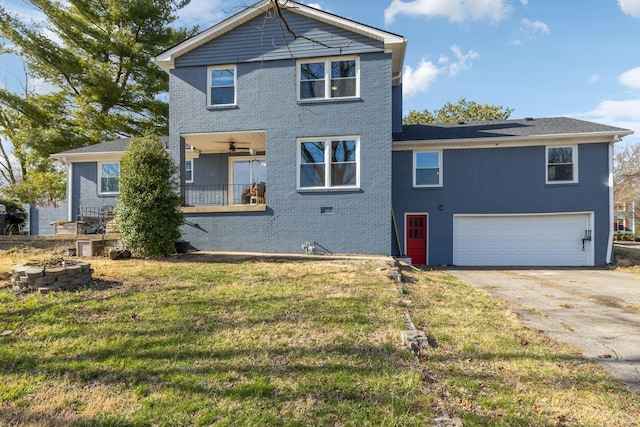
(97,219)
(221,195)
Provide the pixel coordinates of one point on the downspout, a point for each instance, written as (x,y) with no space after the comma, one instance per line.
(610,240)
(69,191)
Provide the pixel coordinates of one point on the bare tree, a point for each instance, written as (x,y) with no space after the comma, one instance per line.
(626,177)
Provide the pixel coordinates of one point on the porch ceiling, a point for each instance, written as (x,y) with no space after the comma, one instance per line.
(219,142)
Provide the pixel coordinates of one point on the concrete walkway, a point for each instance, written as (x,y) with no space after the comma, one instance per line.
(597,311)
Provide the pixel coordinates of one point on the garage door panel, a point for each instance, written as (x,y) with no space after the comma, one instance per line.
(521,240)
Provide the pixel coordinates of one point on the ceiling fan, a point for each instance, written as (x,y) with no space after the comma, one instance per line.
(233,148)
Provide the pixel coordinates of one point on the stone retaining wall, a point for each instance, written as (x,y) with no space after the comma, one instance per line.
(53,242)
(28,278)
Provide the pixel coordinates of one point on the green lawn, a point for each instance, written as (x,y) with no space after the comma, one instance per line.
(188,341)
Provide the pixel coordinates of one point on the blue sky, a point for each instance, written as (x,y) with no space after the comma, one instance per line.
(543,58)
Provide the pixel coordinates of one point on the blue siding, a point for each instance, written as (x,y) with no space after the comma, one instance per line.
(40,219)
(243,44)
(501,181)
(85,188)
(360,220)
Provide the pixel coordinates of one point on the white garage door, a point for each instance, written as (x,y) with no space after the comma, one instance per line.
(522,240)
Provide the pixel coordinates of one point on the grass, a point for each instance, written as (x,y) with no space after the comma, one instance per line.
(628,259)
(194,341)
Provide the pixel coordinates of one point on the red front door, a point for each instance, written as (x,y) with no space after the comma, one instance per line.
(417,238)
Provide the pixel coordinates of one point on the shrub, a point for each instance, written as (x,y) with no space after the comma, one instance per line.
(148,211)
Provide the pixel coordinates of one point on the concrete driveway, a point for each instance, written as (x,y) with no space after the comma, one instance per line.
(597,311)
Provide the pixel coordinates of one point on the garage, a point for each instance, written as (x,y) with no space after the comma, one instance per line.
(523,240)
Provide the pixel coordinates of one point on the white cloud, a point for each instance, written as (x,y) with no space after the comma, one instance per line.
(630,7)
(455,11)
(524,2)
(529,30)
(419,79)
(422,77)
(624,114)
(593,78)
(631,78)
(620,113)
(463,61)
(535,26)
(315,5)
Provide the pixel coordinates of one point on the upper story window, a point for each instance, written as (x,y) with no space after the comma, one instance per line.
(562,165)
(222,85)
(620,207)
(329,163)
(329,78)
(188,171)
(109,177)
(427,170)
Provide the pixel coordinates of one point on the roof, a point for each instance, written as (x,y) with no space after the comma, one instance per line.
(107,149)
(395,43)
(515,130)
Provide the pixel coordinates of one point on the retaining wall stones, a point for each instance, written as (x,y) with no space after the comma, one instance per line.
(28,278)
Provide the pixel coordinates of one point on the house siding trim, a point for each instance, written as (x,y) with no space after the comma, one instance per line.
(392,43)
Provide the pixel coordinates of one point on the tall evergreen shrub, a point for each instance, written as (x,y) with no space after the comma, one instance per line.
(148,211)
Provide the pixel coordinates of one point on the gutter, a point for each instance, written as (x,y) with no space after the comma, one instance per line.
(511,140)
(69,191)
(609,259)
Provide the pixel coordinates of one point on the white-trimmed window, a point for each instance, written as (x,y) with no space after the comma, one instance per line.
(620,224)
(109,177)
(188,171)
(329,162)
(221,82)
(244,173)
(329,78)
(427,169)
(562,164)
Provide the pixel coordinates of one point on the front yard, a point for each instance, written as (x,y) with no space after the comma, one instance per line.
(192,340)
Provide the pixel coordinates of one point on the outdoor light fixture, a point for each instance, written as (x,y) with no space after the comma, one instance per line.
(441,207)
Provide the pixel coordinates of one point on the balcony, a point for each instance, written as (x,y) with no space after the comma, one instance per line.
(224,198)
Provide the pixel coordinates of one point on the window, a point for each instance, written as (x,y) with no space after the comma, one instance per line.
(561,164)
(620,207)
(222,86)
(329,163)
(245,172)
(109,177)
(427,171)
(329,78)
(620,224)
(188,171)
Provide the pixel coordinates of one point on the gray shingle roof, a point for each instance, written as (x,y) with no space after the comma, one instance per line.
(504,129)
(115,146)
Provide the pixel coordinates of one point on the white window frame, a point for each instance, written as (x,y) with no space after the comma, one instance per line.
(327,162)
(574,156)
(100,177)
(620,221)
(188,181)
(415,168)
(231,184)
(210,82)
(327,77)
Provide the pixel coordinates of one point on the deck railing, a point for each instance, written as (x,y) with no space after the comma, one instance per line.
(97,219)
(219,195)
